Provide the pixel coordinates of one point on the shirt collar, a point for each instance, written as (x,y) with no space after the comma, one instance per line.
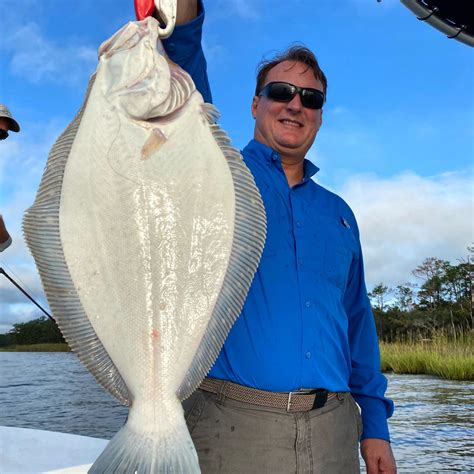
(267,153)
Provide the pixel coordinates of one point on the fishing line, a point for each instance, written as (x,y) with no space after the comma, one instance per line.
(8,277)
(17,278)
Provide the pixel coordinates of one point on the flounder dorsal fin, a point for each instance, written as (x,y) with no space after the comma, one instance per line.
(41,231)
(247,246)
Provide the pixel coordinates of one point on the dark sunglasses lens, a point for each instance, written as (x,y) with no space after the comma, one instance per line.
(3,134)
(312,99)
(281,91)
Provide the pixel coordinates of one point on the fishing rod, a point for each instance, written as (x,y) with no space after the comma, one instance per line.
(3,272)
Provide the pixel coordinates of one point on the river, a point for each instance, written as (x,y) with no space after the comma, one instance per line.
(432,429)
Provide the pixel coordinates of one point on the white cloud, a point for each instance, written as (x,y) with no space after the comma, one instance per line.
(36,58)
(407,218)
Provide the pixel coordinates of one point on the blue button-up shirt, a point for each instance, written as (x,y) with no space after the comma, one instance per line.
(307,320)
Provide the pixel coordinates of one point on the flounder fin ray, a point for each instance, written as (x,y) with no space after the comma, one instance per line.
(247,247)
(211,113)
(129,452)
(182,87)
(41,233)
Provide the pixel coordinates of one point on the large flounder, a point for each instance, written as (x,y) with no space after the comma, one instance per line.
(147,229)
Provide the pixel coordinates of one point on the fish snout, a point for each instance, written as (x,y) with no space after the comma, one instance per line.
(129,37)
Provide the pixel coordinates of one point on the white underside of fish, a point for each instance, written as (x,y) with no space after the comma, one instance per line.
(146,232)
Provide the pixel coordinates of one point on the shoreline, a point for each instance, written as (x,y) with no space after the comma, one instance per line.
(44,347)
(451,360)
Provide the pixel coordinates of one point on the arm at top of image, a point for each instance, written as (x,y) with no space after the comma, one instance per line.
(186,10)
(184,45)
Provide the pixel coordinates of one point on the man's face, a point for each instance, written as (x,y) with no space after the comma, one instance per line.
(288,127)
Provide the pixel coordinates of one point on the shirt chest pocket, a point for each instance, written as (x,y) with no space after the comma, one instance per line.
(337,264)
(339,250)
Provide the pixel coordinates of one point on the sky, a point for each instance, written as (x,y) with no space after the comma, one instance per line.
(396,142)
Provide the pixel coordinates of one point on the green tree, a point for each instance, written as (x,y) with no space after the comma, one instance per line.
(405,297)
(37,331)
(7,340)
(379,295)
(432,272)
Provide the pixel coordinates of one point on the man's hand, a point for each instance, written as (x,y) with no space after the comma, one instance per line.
(378,456)
(186,10)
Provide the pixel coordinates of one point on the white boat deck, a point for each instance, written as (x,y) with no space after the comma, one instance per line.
(29,451)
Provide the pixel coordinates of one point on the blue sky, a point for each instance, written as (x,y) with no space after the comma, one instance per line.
(397,138)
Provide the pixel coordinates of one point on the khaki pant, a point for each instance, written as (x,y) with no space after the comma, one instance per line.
(237,438)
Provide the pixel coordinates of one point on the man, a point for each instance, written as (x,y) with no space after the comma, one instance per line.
(7,122)
(280,397)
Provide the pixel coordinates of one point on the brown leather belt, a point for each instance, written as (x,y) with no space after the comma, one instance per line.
(302,400)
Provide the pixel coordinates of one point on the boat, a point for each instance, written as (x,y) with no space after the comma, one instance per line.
(32,451)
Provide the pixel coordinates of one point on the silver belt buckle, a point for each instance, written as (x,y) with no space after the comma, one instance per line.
(302,391)
(288,405)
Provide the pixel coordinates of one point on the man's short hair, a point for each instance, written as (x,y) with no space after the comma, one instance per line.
(294,53)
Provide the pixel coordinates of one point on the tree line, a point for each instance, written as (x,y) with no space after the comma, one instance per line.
(440,301)
(37,331)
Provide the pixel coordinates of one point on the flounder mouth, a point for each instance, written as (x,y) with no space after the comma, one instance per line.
(141,80)
(129,36)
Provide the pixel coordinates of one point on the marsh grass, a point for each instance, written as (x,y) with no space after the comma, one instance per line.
(444,356)
(47,347)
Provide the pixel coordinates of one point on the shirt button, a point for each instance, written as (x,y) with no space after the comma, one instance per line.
(300,261)
(298,224)
(308,304)
(308,355)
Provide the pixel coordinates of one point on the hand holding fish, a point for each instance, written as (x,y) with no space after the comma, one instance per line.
(186,10)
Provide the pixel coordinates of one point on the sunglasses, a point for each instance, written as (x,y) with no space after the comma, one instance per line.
(3,134)
(284,92)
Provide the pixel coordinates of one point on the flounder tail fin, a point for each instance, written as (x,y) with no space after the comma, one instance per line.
(132,452)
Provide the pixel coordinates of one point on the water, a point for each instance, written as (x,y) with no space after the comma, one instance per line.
(432,429)
(53,391)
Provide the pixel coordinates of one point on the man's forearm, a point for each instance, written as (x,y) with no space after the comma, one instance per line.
(186,10)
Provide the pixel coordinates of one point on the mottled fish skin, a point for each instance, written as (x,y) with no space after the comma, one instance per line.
(161,228)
